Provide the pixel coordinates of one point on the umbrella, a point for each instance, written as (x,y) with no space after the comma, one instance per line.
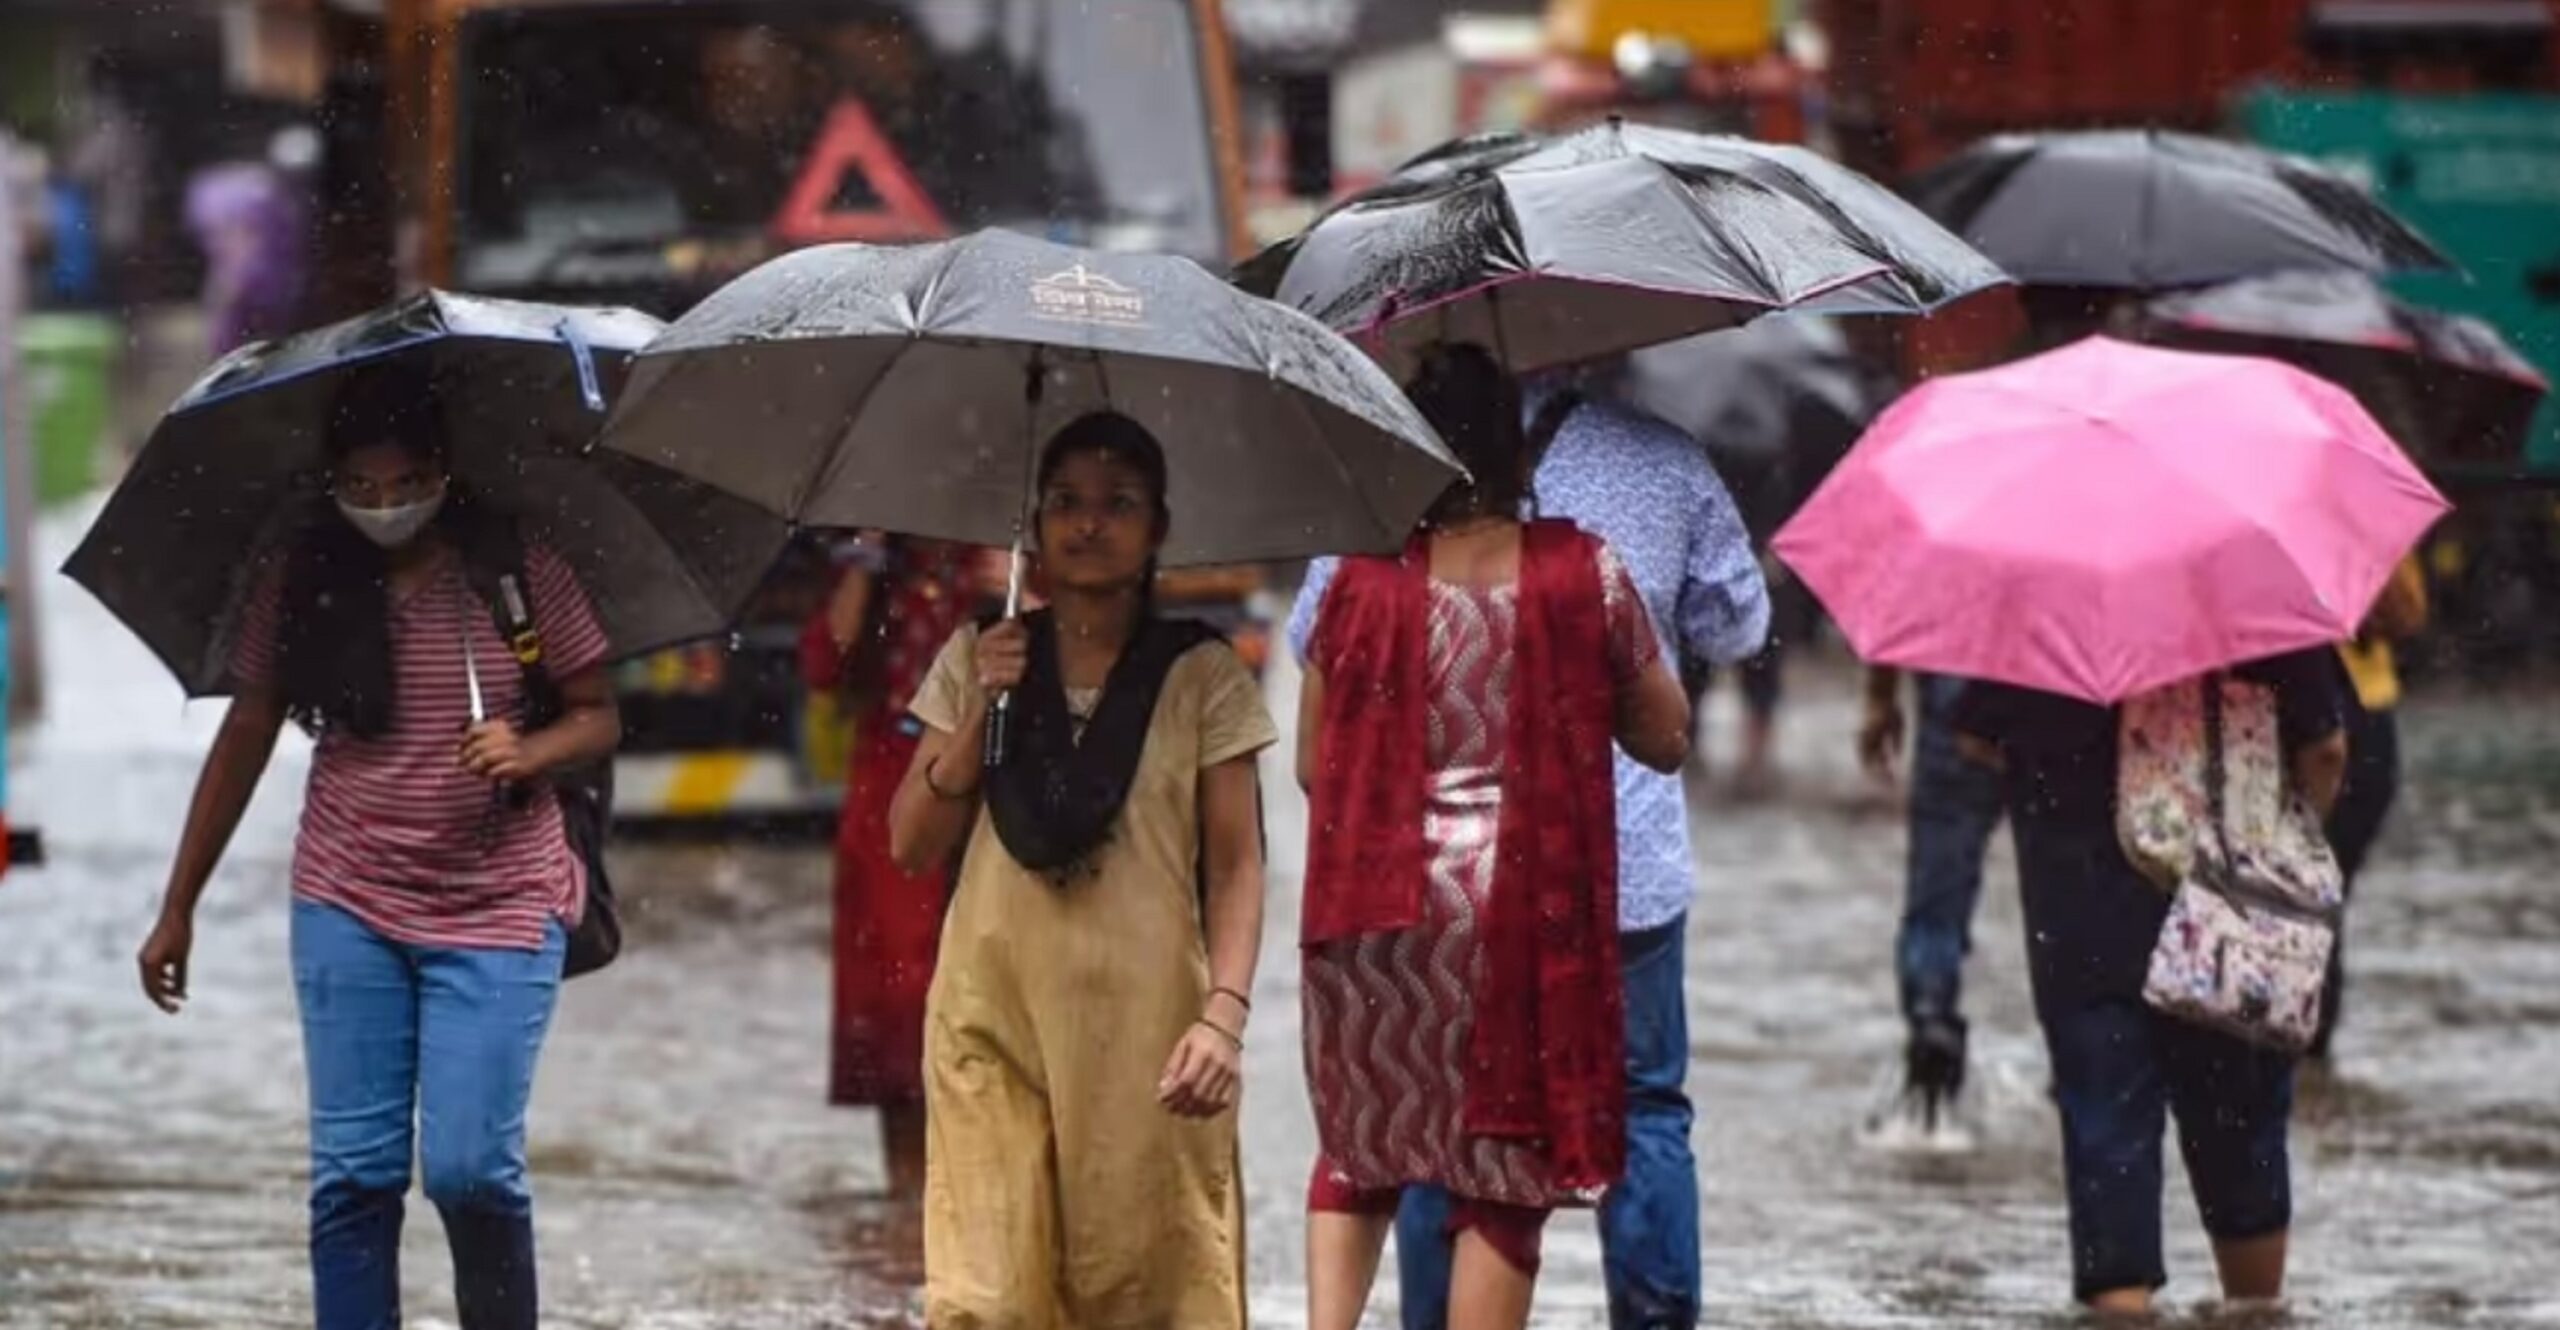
(910,389)
(239,463)
(2445,384)
(2151,210)
(2108,518)
(1776,404)
(1611,238)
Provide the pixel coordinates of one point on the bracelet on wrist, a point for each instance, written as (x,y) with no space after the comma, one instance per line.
(1233,1039)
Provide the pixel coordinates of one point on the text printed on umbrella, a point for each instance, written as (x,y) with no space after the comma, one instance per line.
(1081,295)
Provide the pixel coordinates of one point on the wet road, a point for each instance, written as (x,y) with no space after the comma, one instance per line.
(151,1169)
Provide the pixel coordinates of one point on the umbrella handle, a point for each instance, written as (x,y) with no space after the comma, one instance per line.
(1000,730)
(999,746)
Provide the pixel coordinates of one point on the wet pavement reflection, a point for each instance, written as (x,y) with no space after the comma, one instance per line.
(688,1174)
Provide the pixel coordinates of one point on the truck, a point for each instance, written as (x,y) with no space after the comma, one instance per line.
(1719,66)
(642,152)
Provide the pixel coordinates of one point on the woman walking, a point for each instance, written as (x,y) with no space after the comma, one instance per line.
(432,879)
(2121,1068)
(1083,1033)
(896,604)
(1460,935)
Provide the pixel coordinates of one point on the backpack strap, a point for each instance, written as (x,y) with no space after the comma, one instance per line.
(2217,776)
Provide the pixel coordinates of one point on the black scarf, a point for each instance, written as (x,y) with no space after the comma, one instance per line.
(1056,798)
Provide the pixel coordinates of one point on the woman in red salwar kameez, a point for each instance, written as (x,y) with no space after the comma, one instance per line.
(1462,1020)
(897,603)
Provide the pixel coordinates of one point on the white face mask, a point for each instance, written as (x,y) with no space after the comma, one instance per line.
(392,528)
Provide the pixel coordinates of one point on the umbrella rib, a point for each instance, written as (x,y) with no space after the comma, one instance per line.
(2147,216)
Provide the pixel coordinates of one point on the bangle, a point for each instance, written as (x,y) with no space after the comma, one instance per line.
(936,786)
(1241,1000)
(1230,1036)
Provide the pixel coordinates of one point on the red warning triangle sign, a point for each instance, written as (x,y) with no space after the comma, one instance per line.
(852,140)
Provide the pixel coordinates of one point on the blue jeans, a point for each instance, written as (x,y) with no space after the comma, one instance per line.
(1955,806)
(424,1051)
(1649,1221)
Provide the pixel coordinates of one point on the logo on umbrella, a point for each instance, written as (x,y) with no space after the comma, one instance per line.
(1081,295)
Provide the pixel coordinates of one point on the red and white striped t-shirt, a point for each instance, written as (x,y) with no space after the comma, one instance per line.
(394,831)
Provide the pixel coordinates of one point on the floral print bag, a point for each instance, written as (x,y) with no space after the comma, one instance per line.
(2204,808)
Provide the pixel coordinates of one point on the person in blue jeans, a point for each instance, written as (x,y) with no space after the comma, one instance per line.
(432,877)
(1650,492)
(1955,806)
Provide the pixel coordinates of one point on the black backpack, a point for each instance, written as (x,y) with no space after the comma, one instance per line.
(586,791)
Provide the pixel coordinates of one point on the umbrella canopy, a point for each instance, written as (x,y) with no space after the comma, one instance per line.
(1756,394)
(2446,385)
(911,388)
(1615,237)
(2109,518)
(240,462)
(2151,210)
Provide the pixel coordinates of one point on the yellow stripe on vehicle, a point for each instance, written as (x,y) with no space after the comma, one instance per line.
(705,783)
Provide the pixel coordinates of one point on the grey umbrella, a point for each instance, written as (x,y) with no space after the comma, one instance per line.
(239,462)
(1553,251)
(2150,210)
(910,388)
(2448,386)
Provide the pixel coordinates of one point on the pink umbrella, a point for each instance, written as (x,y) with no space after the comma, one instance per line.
(2108,518)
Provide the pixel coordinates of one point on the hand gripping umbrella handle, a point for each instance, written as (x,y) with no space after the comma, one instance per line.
(1000,716)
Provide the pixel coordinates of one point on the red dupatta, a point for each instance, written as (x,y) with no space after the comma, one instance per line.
(1546,1061)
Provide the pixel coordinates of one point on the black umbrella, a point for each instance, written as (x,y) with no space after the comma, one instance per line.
(1608,239)
(1775,404)
(2448,386)
(239,463)
(2151,210)
(909,389)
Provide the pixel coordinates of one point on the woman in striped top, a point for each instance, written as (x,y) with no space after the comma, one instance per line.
(433,882)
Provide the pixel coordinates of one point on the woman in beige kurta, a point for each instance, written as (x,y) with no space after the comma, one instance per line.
(1082,1034)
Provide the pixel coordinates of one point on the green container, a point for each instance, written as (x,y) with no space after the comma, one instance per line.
(2480,175)
(67,362)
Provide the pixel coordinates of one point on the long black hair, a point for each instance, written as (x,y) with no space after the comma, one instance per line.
(1112,435)
(333,657)
(1474,405)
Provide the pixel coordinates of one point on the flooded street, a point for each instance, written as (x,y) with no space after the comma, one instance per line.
(688,1174)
